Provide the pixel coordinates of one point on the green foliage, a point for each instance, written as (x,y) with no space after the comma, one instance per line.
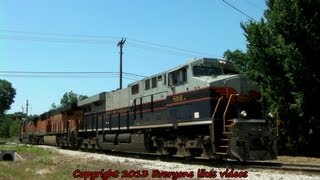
(54,106)
(70,97)
(282,58)
(5,127)
(237,57)
(7,94)
(33,118)
(10,126)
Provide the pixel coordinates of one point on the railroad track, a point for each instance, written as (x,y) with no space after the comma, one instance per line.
(219,163)
(302,168)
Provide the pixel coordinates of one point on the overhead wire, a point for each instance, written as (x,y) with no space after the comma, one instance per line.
(58,34)
(67,72)
(34,74)
(237,9)
(170,47)
(43,39)
(65,77)
(134,74)
(58,72)
(56,37)
(253,5)
(155,47)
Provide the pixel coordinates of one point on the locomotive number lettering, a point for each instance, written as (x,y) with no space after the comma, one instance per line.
(178,98)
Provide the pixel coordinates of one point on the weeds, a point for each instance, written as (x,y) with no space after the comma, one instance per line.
(41,163)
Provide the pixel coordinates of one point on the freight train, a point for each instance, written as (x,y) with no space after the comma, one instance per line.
(203,108)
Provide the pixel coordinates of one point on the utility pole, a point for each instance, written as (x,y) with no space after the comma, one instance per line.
(27,107)
(120,44)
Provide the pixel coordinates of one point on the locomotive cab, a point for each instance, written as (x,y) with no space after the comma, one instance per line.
(213,68)
(243,131)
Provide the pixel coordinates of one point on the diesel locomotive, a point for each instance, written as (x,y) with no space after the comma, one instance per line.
(203,108)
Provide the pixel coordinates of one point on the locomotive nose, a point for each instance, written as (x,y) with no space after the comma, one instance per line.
(252,142)
(237,82)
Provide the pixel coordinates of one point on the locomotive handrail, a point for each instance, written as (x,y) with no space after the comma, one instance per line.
(73,129)
(134,102)
(213,115)
(149,95)
(225,111)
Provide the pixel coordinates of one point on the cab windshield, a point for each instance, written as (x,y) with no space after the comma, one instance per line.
(212,71)
(206,71)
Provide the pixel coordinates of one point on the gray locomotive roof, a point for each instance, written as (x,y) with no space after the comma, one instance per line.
(194,60)
(92,99)
(163,72)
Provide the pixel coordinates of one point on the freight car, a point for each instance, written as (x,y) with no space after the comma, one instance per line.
(203,108)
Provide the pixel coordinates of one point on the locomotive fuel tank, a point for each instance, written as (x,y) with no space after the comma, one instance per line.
(50,140)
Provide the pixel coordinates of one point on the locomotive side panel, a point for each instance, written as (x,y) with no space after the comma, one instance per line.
(28,132)
(42,126)
(57,123)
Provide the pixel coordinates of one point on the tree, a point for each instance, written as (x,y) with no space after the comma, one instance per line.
(282,57)
(54,106)
(7,94)
(10,125)
(238,57)
(71,97)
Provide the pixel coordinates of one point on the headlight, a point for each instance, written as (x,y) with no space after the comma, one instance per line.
(243,114)
(270,115)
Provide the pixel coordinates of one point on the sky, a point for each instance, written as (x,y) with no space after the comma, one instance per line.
(82,36)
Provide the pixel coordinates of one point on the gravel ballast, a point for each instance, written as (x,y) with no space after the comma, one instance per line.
(157,168)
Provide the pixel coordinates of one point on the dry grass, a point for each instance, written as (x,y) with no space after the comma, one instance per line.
(42,163)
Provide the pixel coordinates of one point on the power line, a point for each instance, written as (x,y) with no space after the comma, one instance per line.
(58,34)
(68,72)
(134,74)
(97,40)
(85,75)
(169,47)
(112,37)
(238,10)
(254,5)
(166,51)
(42,39)
(57,72)
(64,77)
